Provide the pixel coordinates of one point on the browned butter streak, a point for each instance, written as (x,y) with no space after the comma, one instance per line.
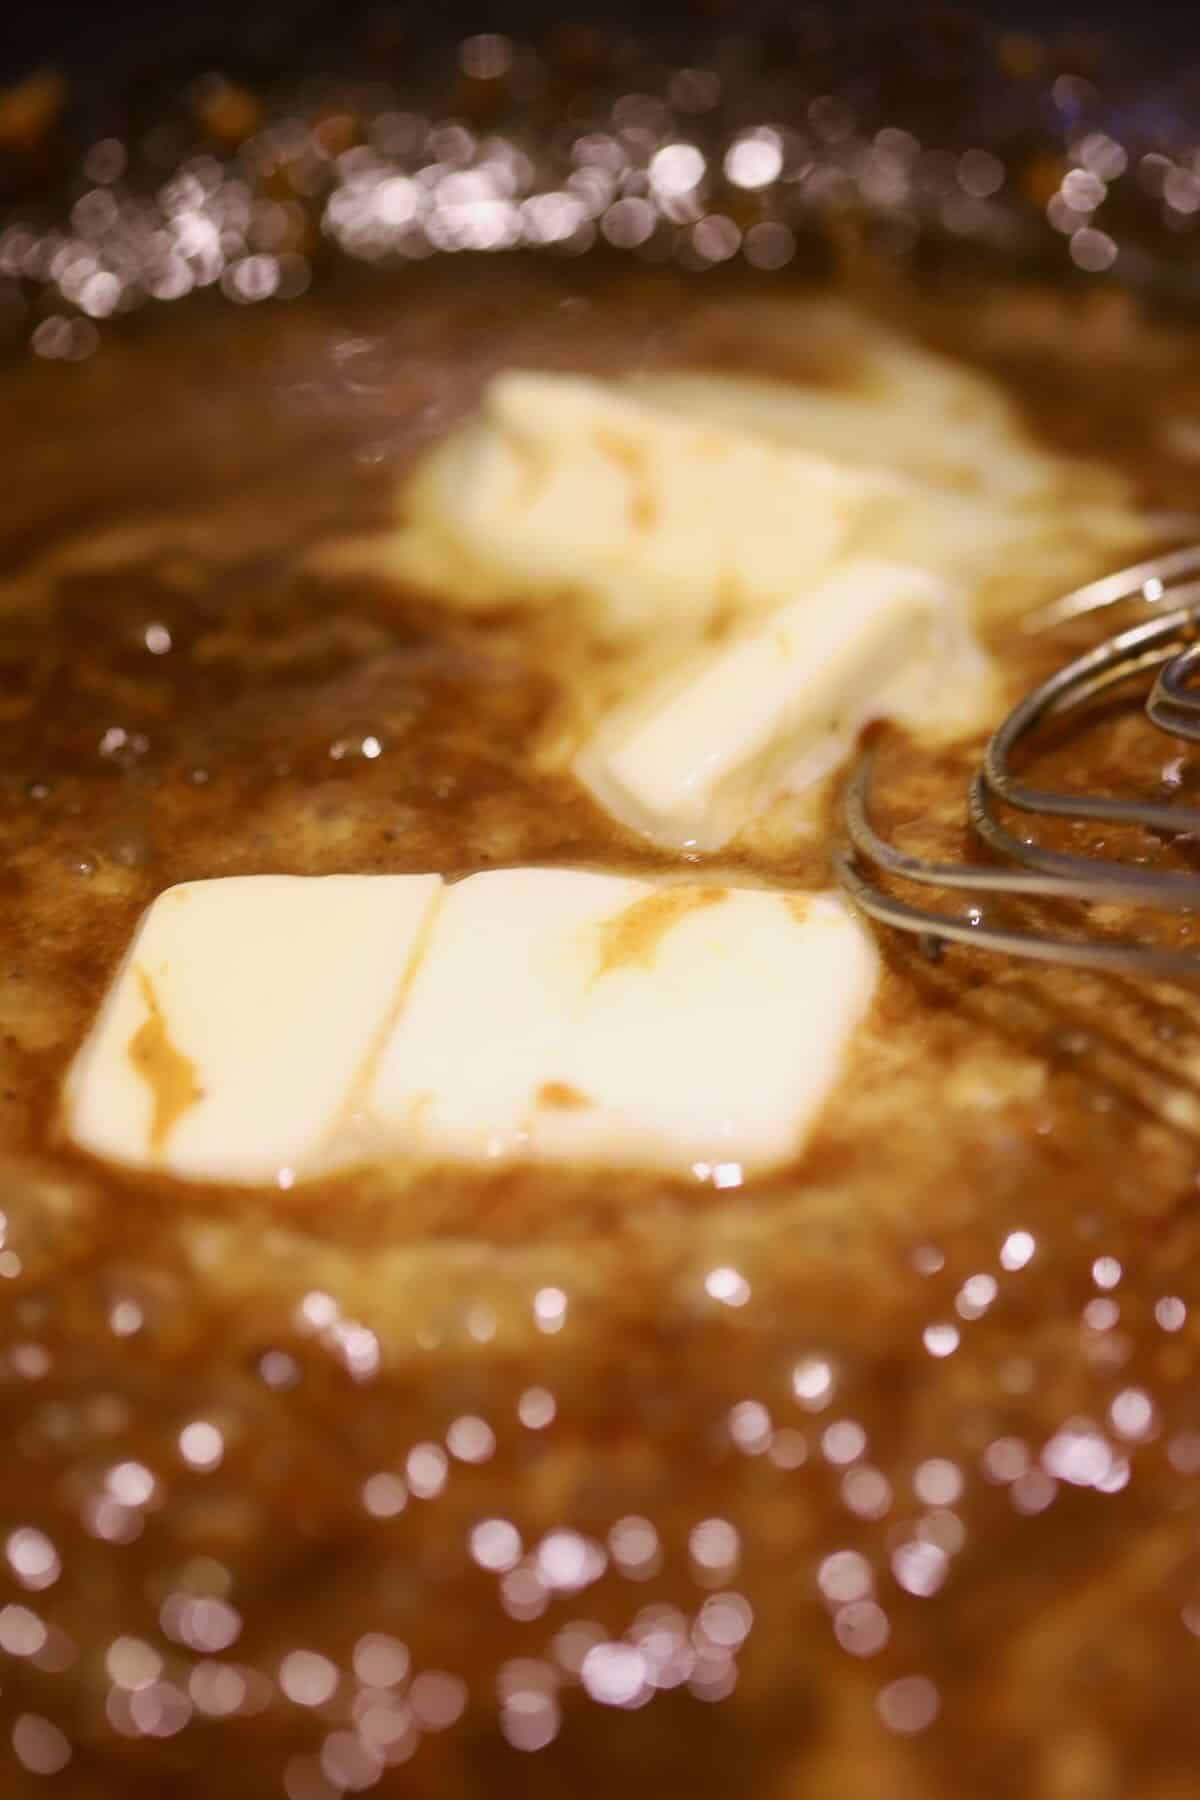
(169,1074)
(643,502)
(536,469)
(633,935)
(560,1096)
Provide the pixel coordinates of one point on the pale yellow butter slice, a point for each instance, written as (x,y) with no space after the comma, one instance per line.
(577,1017)
(926,416)
(566,488)
(689,761)
(231,1040)
(977,499)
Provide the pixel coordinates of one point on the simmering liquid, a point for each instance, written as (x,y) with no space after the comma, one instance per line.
(876,1478)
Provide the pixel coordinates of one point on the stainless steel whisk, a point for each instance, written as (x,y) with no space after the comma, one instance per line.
(1167,643)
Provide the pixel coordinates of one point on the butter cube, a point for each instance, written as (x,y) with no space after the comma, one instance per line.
(246,1010)
(689,762)
(566,1016)
(564,487)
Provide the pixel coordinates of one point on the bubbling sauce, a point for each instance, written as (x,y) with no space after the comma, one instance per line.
(877,1477)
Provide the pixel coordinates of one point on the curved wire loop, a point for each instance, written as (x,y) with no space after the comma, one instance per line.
(1165,644)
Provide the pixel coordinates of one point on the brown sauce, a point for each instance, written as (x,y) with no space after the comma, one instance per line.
(884,1472)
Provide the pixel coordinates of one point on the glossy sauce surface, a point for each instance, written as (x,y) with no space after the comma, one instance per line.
(879,1477)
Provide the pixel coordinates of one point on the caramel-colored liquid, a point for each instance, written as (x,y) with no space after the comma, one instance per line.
(955,1349)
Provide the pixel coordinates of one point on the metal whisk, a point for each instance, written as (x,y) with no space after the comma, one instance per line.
(1166,644)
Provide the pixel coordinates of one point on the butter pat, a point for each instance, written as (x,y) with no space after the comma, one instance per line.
(978,500)
(691,760)
(246,1010)
(645,518)
(262,1030)
(566,1016)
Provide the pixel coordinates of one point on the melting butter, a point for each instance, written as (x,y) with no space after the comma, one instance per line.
(664,526)
(299,1025)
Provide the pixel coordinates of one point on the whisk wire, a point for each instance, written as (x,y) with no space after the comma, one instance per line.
(1146,581)
(1165,644)
(1174,706)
